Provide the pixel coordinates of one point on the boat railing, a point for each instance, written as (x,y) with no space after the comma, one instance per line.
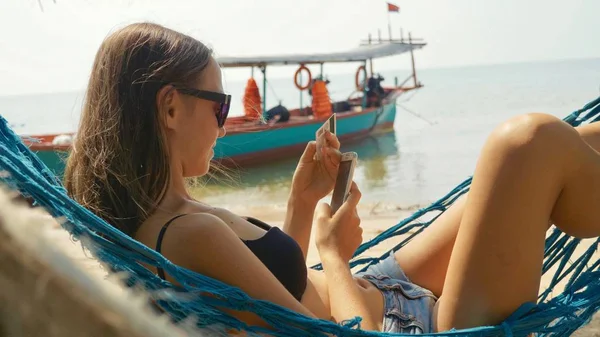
(410,40)
(376,42)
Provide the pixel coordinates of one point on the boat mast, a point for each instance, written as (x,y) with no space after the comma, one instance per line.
(364,87)
(371,59)
(412,58)
(301,95)
(263,69)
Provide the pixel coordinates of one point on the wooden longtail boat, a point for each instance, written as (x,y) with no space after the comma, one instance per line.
(262,135)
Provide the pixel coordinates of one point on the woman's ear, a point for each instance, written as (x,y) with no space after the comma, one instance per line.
(165,102)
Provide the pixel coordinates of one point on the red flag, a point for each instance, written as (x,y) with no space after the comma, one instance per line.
(393,8)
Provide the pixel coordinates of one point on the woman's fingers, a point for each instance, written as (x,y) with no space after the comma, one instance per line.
(332,140)
(332,160)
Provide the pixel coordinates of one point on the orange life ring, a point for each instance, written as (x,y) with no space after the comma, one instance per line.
(302,67)
(359,86)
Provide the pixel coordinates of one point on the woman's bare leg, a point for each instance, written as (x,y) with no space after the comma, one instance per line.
(532,168)
(425,259)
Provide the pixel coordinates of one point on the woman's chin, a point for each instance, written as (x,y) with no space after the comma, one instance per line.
(200,170)
(204,170)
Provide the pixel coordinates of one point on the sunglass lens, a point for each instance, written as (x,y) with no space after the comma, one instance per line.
(223,114)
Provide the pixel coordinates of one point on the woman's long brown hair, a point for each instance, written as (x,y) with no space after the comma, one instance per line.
(118,167)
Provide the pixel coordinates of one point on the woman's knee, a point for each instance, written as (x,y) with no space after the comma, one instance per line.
(537,132)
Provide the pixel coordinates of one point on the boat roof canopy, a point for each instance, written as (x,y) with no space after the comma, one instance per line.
(361,53)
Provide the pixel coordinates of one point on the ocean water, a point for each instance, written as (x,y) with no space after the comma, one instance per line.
(438,133)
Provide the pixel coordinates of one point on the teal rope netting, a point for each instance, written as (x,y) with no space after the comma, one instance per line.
(559,315)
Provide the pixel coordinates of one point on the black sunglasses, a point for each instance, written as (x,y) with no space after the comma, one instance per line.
(224,101)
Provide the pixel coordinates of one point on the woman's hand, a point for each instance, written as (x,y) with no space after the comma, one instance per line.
(314,178)
(339,234)
(338,237)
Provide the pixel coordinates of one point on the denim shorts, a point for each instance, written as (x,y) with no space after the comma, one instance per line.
(408,308)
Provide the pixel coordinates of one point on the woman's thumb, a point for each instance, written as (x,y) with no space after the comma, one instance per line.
(309,152)
(323,211)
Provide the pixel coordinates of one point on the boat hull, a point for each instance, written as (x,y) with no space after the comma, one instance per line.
(255,147)
(284,141)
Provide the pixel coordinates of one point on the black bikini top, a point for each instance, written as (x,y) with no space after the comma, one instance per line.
(279,252)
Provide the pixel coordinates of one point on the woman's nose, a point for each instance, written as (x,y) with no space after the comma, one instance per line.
(222,132)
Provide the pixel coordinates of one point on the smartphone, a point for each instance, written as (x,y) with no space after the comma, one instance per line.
(330,124)
(343,181)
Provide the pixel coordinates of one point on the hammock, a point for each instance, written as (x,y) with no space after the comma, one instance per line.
(560,315)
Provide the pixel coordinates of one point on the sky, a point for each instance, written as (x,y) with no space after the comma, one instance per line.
(53,49)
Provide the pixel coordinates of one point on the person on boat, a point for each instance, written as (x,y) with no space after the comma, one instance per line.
(277,114)
(153,113)
(375,91)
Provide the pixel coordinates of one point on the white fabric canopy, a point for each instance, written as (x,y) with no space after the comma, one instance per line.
(362,53)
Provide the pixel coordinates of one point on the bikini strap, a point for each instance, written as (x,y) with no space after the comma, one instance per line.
(161,272)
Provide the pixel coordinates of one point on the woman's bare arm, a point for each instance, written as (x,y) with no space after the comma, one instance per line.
(298,222)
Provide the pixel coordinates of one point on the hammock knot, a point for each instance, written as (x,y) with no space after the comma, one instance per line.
(352,323)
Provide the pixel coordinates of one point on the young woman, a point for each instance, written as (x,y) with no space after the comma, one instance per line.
(154,110)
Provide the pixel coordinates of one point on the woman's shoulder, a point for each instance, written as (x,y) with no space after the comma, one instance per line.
(178,225)
(194,222)
(188,215)
(199,208)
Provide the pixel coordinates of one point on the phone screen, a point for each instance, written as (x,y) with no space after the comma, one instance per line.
(342,185)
